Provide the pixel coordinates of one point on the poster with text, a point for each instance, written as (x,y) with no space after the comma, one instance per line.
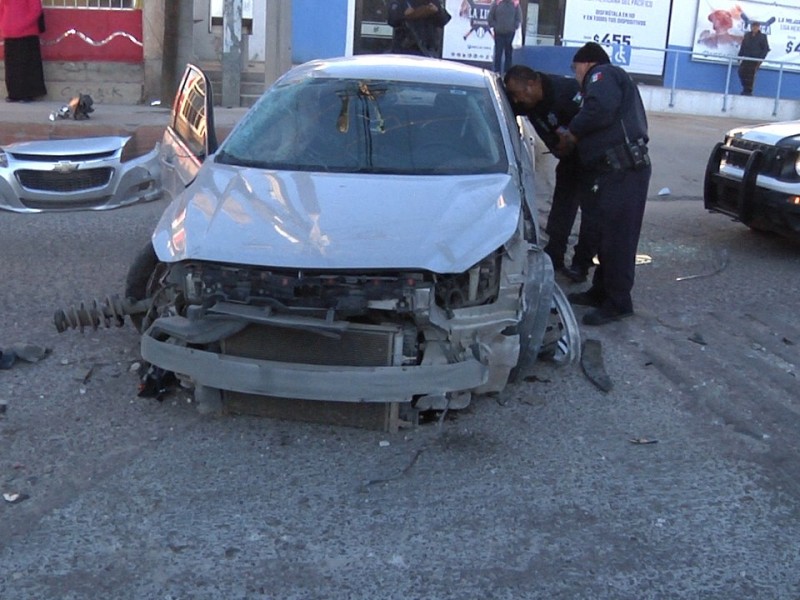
(624,28)
(467,37)
(721,25)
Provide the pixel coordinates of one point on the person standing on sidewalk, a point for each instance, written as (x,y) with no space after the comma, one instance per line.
(21,22)
(610,131)
(550,102)
(504,19)
(417,26)
(754,48)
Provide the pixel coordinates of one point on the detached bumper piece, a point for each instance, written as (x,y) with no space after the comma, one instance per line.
(359,364)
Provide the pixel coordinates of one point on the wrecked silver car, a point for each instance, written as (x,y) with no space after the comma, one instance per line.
(93,173)
(366,233)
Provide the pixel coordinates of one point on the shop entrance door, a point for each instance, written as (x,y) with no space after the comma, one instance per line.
(371,34)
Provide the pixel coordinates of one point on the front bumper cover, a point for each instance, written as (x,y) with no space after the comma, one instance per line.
(301,381)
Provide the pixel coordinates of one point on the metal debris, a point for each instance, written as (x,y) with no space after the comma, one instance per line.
(30,352)
(593,367)
(27,352)
(15,498)
(536,379)
(722,263)
(402,473)
(642,440)
(697,338)
(156,383)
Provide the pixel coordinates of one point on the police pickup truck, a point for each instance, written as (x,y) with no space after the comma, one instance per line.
(753,175)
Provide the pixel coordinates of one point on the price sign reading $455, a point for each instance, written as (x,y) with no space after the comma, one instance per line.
(612,38)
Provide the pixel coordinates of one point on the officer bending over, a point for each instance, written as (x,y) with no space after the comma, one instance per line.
(550,102)
(610,131)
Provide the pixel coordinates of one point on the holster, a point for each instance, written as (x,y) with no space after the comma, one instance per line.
(630,155)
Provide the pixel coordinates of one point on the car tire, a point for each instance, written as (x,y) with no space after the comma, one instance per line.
(139,282)
(562,341)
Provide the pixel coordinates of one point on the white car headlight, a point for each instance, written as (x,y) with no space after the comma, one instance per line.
(797,162)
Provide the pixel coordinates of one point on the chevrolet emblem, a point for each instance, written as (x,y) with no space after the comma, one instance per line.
(64,166)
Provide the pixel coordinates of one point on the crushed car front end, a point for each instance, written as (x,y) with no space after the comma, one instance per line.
(753,175)
(375,308)
(373,336)
(76,174)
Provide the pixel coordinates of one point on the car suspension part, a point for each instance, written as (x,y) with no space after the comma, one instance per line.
(108,312)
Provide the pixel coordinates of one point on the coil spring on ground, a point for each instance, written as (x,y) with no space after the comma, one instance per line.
(109,312)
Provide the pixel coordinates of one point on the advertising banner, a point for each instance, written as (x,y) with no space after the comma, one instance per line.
(467,37)
(721,24)
(621,25)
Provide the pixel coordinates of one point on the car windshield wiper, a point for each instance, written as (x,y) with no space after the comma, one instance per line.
(371,94)
(227,158)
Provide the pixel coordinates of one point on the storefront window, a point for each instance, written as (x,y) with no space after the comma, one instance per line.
(543,22)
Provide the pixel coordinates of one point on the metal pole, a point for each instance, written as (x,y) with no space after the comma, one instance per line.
(727,86)
(278,58)
(231,52)
(778,92)
(674,80)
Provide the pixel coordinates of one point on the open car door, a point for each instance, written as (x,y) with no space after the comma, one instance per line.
(190,136)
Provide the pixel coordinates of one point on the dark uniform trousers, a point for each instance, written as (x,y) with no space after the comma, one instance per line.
(620,201)
(572,191)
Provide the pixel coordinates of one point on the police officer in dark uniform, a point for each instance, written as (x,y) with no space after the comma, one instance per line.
(550,102)
(610,131)
(417,26)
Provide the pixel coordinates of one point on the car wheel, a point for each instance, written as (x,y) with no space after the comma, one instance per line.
(562,338)
(141,283)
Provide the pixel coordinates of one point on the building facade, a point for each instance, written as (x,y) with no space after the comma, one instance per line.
(127,51)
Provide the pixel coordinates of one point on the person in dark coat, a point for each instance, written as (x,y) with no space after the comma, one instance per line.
(505,17)
(550,102)
(755,46)
(20,25)
(610,132)
(417,26)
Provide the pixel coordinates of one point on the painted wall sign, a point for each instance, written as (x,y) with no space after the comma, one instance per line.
(642,23)
(467,36)
(721,24)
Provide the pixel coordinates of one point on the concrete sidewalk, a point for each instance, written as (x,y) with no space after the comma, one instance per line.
(31,121)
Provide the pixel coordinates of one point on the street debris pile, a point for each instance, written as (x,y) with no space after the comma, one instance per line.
(78,108)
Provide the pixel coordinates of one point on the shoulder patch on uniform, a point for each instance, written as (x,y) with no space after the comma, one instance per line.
(596,77)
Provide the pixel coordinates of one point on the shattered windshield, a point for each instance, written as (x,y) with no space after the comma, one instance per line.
(360,126)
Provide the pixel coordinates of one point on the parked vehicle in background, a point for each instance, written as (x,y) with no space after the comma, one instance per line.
(366,233)
(753,175)
(95,173)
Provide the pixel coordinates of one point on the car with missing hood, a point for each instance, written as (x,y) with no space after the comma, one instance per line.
(753,175)
(94,173)
(366,233)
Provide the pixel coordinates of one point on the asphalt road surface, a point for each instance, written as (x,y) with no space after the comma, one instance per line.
(540,492)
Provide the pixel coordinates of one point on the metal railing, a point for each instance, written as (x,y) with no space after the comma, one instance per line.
(114,4)
(717,58)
